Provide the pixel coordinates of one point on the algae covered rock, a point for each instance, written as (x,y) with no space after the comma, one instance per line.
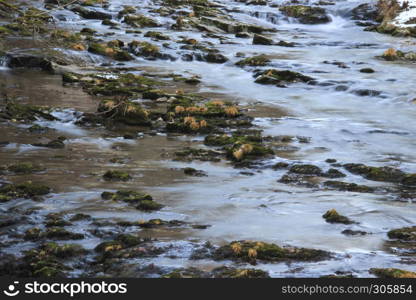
(250,251)
(306,170)
(116,175)
(281,77)
(110,50)
(350,187)
(306,14)
(24,168)
(22,190)
(376,173)
(392,273)
(332,216)
(124,111)
(254,61)
(141,201)
(24,113)
(404,234)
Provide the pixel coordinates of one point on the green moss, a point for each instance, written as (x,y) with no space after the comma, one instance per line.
(332,216)
(115,175)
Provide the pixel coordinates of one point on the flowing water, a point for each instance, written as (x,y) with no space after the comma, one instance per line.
(377,130)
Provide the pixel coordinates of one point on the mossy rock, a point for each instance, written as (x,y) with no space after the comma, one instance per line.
(251,251)
(141,201)
(126,84)
(392,273)
(332,216)
(376,173)
(404,234)
(228,272)
(23,190)
(262,40)
(25,113)
(115,175)
(131,197)
(281,77)
(140,21)
(306,170)
(156,35)
(125,112)
(24,168)
(63,250)
(91,14)
(110,50)
(306,14)
(350,187)
(194,172)
(129,240)
(149,205)
(59,233)
(109,246)
(190,154)
(254,61)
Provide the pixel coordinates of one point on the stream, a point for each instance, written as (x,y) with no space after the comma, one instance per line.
(346,115)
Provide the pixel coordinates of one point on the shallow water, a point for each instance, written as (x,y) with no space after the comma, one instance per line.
(375,130)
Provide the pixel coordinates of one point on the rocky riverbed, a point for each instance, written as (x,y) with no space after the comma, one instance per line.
(215,139)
